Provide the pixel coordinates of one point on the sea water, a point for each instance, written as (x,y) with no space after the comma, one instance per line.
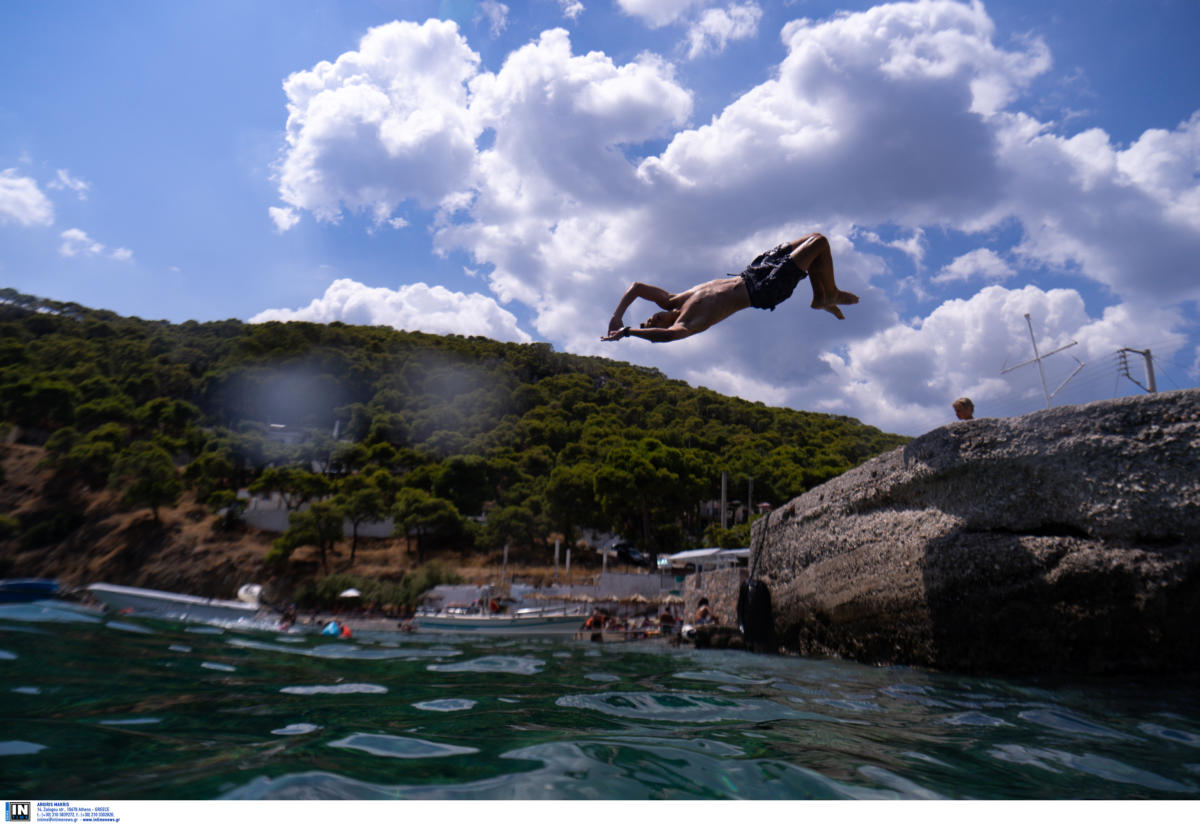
(105,707)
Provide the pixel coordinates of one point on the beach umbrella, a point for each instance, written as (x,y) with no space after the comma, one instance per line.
(350,593)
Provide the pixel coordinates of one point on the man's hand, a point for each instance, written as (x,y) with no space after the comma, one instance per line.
(622,332)
(615,323)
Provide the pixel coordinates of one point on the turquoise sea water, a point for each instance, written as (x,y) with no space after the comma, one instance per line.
(101,707)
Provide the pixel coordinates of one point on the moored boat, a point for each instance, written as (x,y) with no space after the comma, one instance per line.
(19,590)
(176,605)
(520,622)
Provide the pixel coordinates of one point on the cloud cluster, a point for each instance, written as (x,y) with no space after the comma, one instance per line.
(896,116)
(716,27)
(982,263)
(416,307)
(1129,219)
(496,15)
(64,181)
(380,125)
(571,9)
(891,376)
(22,202)
(75,243)
(709,28)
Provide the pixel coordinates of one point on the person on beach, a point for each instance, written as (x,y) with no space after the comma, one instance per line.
(704,614)
(764,284)
(964,408)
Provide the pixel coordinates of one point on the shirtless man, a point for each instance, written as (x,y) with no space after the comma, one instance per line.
(765,283)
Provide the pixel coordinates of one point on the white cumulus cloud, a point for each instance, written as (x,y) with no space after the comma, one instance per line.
(1129,219)
(496,15)
(716,27)
(64,181)
(979,263)
(21,201)
(658,13)
(382,124)
(284,218)
(415,307)
(76,242)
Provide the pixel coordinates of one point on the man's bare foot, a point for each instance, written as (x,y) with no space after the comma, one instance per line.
(822,301)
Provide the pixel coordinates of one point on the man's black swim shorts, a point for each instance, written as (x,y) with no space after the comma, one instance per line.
(771,277)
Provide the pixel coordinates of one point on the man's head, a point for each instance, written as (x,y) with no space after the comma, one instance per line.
(964,408)
(661,320)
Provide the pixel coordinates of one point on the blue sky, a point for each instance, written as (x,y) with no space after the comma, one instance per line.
(508,169)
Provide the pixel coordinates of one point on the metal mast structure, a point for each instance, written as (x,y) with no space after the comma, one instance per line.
(1038,358)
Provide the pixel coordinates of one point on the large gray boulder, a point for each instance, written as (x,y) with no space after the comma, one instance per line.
(1066,540)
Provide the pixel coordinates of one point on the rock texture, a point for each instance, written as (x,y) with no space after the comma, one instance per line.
(1061,541)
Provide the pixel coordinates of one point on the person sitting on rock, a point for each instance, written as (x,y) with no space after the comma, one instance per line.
(964,408)
(705,615)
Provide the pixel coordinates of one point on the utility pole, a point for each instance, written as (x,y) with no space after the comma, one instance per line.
(1152,386)
(724,484)
(1038,358)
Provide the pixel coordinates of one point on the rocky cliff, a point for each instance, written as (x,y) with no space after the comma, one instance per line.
(1066,540)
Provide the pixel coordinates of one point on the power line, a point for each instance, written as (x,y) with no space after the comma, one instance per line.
(1151,385)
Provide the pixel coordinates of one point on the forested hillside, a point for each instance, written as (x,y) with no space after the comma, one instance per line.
(434,430)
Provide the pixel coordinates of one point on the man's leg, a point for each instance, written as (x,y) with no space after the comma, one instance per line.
(814,255)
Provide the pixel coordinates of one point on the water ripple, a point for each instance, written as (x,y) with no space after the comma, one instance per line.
(1178,736)
(719,677)
(47,611)
(336,689)
(678,707)
(446,704)
(974,719)
(906,788)
(347,651)
(512,665)
(396,746)
(1066,722)
(1106,768)
(296,729)
(589,770)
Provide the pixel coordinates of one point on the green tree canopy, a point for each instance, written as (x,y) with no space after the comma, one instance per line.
(148,476)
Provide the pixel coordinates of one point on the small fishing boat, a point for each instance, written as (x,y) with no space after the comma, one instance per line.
(527,621)
(20,590)
(139,601)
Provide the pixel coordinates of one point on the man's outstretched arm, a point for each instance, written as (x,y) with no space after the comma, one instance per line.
(638,290)
(671,333)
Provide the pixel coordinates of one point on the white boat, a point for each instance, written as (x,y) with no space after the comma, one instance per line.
(175,605)
(533,621)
